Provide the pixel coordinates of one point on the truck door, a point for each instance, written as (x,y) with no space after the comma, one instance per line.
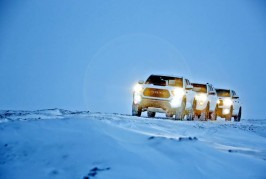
(236,103)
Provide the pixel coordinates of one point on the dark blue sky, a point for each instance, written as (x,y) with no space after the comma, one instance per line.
(87,55)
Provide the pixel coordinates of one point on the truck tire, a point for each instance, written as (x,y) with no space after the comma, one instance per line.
(136,110)
(191,114)
(169,115)
(229,116)
(180,112)
(213,115)
(151,114)
(238,117)
(206,112)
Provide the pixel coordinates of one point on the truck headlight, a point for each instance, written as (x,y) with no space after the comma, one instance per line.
(228,102)
(137,88)
(178,92)
(175,102)
(226,111)
(201,97)
(137,99)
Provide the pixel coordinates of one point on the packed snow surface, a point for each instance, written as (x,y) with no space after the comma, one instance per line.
(64,144)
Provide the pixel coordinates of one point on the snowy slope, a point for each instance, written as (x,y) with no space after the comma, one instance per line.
(64,144)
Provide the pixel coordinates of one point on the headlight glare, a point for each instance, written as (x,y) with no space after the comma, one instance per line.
(178,92)
(226,111)
(228,102)
(137,88)
(137,99)
(201,97)
(176,102)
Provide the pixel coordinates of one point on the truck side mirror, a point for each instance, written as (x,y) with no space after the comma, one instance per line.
(141,82)
(189,87)
(235,97)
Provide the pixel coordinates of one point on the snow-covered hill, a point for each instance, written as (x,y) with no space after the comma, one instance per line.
(64,144)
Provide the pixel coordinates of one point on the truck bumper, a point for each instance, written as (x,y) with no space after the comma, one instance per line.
(223,110)
(156,105)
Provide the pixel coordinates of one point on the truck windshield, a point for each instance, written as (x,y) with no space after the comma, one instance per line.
(199,88)
(165,81)
(223,93)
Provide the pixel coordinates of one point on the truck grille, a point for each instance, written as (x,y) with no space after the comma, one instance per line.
(158,93)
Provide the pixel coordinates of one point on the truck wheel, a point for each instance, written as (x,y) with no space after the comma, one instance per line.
(206,113)
(169,115)
(136,110)
(229,116)
(213,114)
(180,112)
(238,117)
(191,115)
(151,114)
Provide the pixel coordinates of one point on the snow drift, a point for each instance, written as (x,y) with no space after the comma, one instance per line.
(65,144)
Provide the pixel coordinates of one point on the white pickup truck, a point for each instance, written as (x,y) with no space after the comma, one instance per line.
(206,97)
(172,95)
(229,105)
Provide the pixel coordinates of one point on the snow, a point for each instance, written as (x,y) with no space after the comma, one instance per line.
(63,144)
